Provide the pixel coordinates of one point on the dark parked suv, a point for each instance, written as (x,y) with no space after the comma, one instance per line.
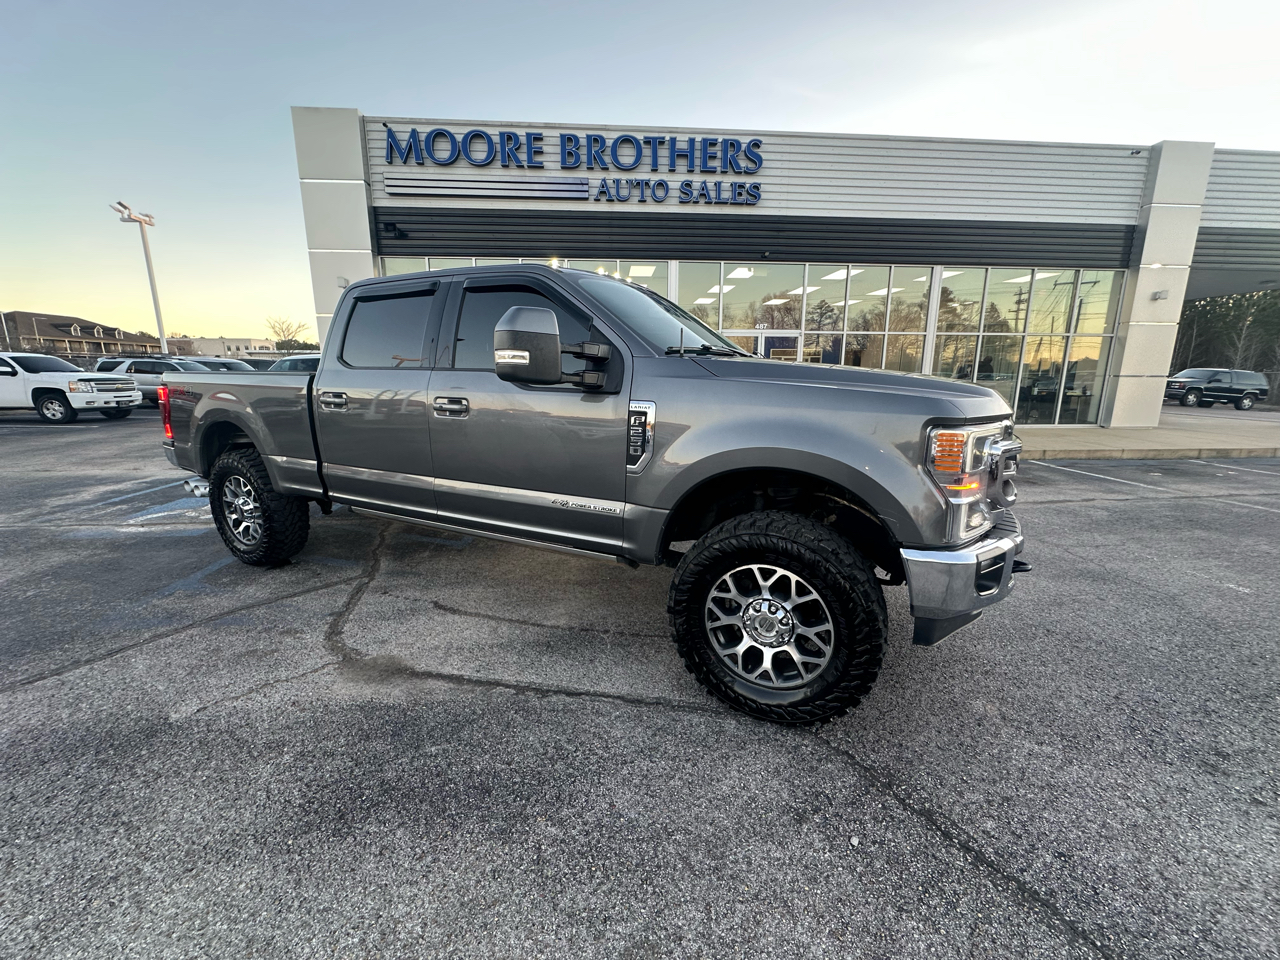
(1205,386)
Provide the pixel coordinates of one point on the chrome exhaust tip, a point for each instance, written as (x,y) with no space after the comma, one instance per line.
(197,488)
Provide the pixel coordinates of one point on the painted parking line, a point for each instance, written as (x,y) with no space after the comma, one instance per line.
(136,493)
(1224,466)
(1101,476)
(1252,506)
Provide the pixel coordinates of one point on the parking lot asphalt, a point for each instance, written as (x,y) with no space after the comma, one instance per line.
(408,743)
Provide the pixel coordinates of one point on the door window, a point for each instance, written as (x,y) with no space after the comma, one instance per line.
(481,311)
(388,331)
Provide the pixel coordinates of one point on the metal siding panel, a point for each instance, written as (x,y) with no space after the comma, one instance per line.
(1243,190)
(1237,248)
(442,232)
(823,175)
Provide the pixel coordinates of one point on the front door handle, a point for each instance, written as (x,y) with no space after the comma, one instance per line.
(333,400)
(451,406)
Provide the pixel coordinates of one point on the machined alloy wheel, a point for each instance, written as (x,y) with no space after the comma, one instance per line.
(1191,398)
(1245,402)
(261,526)
(769,626)
(242,510)
(779,616)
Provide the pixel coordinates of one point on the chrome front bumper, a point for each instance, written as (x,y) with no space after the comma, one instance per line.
(950,588)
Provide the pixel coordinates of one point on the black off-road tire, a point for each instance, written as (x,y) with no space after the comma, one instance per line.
(117,414)
(52,406)
(1246,402)
(284,521)
(837,573)
(1191,398)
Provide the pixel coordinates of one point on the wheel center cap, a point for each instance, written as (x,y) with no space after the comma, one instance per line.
(768,622)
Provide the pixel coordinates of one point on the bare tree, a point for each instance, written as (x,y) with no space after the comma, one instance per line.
(1239,347)
(282,328)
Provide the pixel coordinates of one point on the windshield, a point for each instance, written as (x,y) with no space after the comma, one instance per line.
(188,365)
(45,365)
(657,320)
(1196,373)
(235,365)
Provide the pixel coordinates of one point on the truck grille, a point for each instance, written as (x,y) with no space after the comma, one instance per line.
(114,386)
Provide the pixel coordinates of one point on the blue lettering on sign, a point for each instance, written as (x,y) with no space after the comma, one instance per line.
(510,148)
(570,151)
(595,155)
(490,149)
(635,146)
(626,151)
(429,146)
(532,147)
(394,146)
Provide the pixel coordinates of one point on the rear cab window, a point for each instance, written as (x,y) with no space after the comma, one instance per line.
(389,331)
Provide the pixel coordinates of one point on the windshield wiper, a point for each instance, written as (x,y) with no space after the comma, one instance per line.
(705,349)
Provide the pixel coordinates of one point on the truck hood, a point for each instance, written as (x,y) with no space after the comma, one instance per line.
(970,400)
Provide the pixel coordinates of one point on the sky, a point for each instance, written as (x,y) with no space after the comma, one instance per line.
(182,110)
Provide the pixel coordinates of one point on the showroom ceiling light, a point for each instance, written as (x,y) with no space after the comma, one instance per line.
(776,301)
(640,270)
(722,288)
(702,300)
(741,273)
(799,290)
(883,290)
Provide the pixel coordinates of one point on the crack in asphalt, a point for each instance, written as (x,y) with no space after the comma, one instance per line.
(959,838)
(333,636)
(263,686)
(606,631)
(359,666)
(166,634)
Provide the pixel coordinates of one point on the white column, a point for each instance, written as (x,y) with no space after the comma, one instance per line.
(1164,243)
(335,203)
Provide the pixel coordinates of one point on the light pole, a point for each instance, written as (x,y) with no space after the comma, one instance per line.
(144,220)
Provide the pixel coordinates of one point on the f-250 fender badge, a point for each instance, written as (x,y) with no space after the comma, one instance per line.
(640,420)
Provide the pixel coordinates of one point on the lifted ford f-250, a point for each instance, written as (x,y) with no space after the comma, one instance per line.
(569,410)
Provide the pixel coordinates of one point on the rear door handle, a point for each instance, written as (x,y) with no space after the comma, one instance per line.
(333,400)
(451,406)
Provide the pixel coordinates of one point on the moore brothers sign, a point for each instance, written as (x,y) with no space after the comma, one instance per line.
(732,156)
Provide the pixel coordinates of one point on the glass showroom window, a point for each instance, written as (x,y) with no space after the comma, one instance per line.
(699,291)
(1082,393)
(645,273)
(1008,296)
(394,266)
(1052,299)
(760,296)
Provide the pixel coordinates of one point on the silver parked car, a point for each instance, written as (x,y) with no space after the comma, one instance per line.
(303,362)
(147,373)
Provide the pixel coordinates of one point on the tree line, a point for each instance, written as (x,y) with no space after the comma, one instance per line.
(1240,331)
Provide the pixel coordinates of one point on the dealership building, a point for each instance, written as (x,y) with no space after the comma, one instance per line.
(1053,273)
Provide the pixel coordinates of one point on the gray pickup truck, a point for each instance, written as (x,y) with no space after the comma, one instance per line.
(563,409)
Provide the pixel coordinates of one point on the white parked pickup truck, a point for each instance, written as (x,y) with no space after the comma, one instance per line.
(58,391)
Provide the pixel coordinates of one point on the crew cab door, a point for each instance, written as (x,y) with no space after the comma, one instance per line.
(13,387)
(543,463)
(370,401)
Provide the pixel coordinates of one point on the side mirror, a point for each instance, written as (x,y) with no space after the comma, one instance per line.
(527,349)
(8,372)
(526,346)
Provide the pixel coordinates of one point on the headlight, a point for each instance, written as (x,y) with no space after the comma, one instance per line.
(80,386)
(959,461)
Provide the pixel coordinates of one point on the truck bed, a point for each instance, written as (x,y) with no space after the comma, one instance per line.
(272,408)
